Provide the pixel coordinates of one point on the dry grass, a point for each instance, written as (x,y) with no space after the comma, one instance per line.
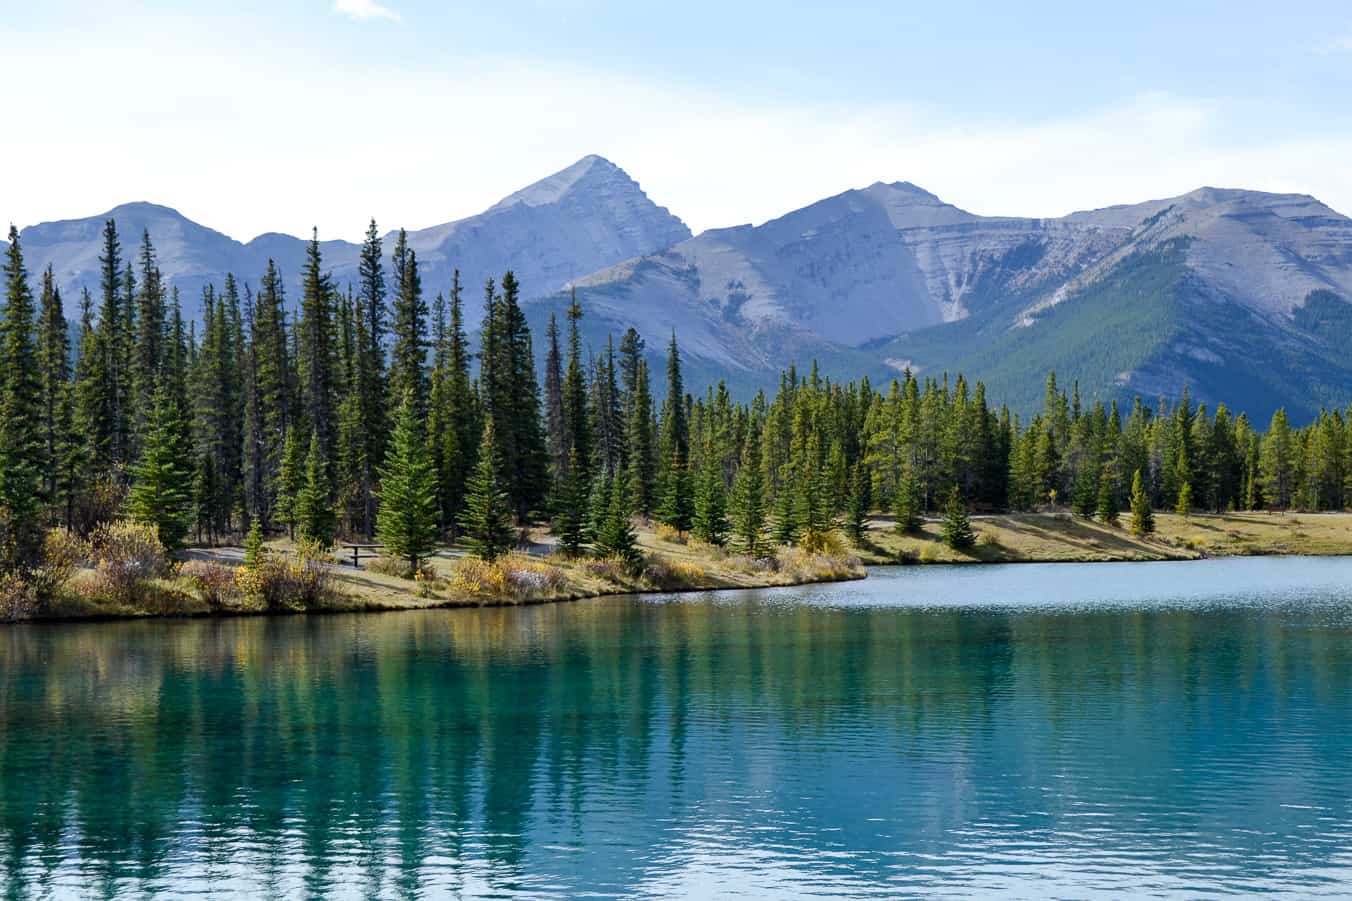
(1060,537)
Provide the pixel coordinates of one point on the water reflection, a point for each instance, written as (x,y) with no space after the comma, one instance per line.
(814,741)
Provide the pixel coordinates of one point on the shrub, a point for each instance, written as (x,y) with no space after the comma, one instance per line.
(18,600)
(280,584)
(62,552)
(215,583)
(126,554)
(513,577)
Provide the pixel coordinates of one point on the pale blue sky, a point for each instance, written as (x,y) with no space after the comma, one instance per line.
(256,116)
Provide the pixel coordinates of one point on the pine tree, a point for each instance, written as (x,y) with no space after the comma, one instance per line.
(1184,505)
(1277,462)
(677,508)
(616,537)
(958,533)
(255,551)
(315,342)
(856,524)
(1107,497)
(291,480)
(151,333)
(488,516)
(269,401)
(816,508)
(576,424)
(556,437)
(786,527)
(20,417)
(58,438)
(908,502)
(314,501)
(570,515)
(1142,516)
(113,435)
(161,491)
(710,522)
(408,353)
(748,499)
(371,376)
(463,415)
(511,397)
(641,466)
(408,490)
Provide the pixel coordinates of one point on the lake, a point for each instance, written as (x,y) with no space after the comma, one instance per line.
(1176,729)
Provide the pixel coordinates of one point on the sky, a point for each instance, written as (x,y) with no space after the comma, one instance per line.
(253,116)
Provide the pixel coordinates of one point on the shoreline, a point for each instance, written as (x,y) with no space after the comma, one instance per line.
(677,567)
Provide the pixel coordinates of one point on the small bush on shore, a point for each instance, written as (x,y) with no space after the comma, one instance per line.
(215,583)
(281,585)
(514,578)
(18,599)
(126,555)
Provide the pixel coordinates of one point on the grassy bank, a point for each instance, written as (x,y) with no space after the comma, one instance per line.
(214,581)
(1060,537)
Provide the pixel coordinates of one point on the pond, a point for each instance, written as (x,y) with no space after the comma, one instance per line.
(1072,730)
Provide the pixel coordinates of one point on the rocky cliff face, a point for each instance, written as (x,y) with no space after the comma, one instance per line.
(581,219)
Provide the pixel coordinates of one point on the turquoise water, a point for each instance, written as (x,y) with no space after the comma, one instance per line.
(1177,729)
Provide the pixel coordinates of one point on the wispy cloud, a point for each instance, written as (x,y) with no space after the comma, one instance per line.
(1340,44)
(365,10)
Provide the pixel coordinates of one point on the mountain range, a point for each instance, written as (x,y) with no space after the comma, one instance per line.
(1244,296)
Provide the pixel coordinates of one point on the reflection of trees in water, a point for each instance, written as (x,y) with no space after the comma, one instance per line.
(310,745)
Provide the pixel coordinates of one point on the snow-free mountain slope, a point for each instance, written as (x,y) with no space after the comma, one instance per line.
(581,219)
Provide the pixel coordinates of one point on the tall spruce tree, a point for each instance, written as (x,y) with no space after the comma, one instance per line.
(408,330)
(641,467)
(576,423)
(748,507)
(314,501)
(1142,516)
(408,490)
(856,523)
(556,437)
(488,515)
(710,522)
(162,481)
(957,531)
(1108,508)
(54,375)
(316,340)
(616,537)
(21,450)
